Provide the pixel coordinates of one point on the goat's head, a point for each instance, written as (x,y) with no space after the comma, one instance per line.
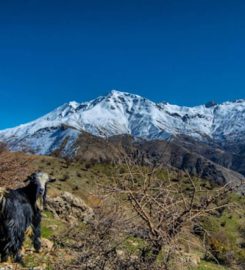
(40,181)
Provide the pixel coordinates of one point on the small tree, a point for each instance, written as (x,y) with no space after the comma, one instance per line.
(165,206)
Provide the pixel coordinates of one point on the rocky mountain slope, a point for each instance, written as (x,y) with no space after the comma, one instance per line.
(181,153)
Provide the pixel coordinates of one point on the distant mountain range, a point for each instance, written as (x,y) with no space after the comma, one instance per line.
(213,132)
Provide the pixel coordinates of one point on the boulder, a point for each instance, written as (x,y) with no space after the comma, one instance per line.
(70,208)
(47,245)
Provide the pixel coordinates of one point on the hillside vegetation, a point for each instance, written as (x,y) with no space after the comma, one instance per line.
(117,235)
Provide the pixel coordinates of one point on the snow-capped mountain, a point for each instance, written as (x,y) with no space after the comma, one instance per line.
(124,113)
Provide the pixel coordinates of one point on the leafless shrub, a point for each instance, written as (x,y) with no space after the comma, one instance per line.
(145,204)
(15,167)
(166,207)
(98,245)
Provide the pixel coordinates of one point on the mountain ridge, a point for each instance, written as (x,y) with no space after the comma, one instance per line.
(124,113)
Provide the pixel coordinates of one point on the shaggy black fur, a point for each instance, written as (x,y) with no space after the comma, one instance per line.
(18,212)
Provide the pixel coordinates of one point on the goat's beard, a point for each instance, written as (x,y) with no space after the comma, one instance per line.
(40,203)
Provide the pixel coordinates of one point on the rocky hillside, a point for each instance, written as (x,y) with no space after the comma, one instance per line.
(85,226)
(181,153)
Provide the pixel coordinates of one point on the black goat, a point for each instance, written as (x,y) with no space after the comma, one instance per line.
(18,212)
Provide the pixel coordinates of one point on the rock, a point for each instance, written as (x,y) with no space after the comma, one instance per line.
(47,245)
(39,268)
(6,267)
(120,253)
(70,208)
(53,227)
(134,258)
(190,259)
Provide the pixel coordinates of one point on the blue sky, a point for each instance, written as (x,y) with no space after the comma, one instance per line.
(182,51)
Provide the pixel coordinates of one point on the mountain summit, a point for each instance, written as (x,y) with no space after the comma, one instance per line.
(124,113)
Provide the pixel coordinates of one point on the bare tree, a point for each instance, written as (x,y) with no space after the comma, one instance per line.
(165,206)
(150,204)
(15,167)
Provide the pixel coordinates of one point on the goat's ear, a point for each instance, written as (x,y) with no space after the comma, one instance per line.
(30,178)
(51,180)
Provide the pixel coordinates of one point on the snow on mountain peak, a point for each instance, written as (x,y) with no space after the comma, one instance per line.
(125,113)
(73,104)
